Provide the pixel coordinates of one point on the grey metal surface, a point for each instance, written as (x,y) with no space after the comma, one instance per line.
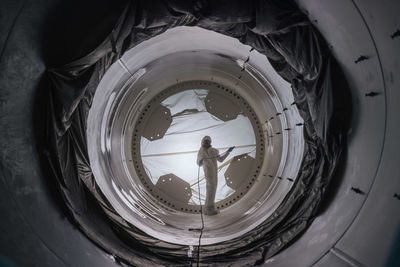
(378,222)
(363,227)
(336,258)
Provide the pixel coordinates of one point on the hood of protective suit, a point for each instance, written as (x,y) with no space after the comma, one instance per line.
(205,138)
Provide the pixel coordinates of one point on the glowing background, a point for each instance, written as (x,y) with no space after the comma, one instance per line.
(177,151)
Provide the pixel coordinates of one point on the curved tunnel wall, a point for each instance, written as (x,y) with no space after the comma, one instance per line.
(353,229)
(190,60)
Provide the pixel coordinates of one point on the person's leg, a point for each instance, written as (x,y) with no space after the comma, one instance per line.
(213,191)
(210,196)
(211,187)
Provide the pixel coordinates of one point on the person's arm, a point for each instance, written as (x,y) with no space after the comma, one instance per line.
(200,158)
(222,158)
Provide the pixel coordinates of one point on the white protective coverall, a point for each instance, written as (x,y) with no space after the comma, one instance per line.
(210,156)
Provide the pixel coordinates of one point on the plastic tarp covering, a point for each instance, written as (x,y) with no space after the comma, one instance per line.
(277,29)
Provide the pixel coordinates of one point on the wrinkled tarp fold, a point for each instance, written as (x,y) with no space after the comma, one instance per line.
(275,28)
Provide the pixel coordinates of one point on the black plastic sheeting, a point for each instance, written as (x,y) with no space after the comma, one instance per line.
(299,54)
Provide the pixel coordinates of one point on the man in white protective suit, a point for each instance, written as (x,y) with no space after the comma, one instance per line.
(207,157)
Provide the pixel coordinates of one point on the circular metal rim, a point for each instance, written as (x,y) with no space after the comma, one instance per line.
(212,87)
(131,76)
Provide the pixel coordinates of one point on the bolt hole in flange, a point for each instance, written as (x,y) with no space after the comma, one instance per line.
(147,119)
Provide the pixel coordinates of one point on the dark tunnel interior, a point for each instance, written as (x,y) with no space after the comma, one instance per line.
(48,220)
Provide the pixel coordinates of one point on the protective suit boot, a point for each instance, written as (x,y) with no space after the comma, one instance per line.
(211,212)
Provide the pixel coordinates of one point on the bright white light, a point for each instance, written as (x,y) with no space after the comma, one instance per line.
(177,151)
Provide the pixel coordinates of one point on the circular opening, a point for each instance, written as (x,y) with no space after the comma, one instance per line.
(168,140)
(122,136)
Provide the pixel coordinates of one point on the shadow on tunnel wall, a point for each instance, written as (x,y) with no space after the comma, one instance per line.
(342,121)
(74,28)
(70,30)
